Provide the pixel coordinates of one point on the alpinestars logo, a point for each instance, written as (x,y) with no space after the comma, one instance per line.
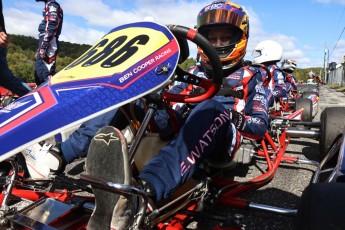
(107,138)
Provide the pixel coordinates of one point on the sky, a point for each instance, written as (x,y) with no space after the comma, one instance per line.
(310,31)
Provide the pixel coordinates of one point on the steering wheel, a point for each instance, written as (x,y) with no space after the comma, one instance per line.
(210,86)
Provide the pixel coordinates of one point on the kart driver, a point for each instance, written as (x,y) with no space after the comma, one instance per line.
(49,31)
(214,128)
(269,53)
(288,67)
(316,78)
(311,75)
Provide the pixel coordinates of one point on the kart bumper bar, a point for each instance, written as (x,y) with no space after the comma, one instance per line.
(283,211)
(120,189)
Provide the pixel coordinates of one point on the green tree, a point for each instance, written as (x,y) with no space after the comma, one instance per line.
(187,63)
(21,57)
(22,51)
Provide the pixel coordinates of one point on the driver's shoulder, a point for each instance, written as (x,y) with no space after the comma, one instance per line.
(254,71)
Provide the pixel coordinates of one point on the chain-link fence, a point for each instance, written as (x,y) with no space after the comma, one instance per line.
(337,76)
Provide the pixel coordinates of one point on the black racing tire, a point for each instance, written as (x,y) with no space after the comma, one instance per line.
(332,124)
(307,95)
(292,104)
(322,207)
(307,105)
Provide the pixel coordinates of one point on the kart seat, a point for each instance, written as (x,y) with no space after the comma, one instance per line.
(147,149)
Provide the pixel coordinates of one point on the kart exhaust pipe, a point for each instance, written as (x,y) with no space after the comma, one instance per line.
(303,133)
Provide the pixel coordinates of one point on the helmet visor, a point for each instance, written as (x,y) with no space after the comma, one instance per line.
(256,53)
(223,35)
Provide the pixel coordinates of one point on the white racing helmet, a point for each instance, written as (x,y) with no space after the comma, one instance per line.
(289,65)
(267,51)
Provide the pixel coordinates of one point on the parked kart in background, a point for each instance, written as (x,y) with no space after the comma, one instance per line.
(311,82)
(308,88)
(117,78)
(310,91)
(7,97)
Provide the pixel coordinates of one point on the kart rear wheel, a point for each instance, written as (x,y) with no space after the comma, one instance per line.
(321,207)
(316,105)
(307,105)
(332,125)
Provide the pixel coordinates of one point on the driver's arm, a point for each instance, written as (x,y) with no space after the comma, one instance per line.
(256,107)
(280,89)
(182,87)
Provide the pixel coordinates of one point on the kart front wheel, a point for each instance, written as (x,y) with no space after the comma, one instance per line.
(322,207)
(315,101)
(307,105)
(332,123)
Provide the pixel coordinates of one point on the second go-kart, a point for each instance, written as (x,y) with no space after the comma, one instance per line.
(302,105)
(130,62)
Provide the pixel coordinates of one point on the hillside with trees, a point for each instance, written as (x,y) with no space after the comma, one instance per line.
(22,50)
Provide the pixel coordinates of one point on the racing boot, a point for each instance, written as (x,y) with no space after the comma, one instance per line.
(108,160)
(44,161)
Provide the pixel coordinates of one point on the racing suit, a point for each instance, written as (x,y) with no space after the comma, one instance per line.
(277,84)
(48,41)
(290,82)
(209,131)
(7,79)
(78,142)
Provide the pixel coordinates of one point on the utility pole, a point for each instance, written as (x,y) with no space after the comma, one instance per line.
(325,64)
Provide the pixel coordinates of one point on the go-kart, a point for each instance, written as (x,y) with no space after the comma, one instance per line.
(305,104)
(107,77)
(308,88)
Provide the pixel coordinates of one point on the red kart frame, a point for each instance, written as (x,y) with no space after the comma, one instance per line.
(272,152)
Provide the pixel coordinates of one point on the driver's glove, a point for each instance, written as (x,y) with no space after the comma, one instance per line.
(238,119)
(43,49)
